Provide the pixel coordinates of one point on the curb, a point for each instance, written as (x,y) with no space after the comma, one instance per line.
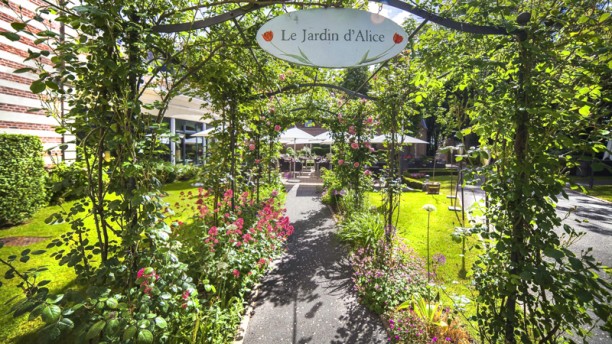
(578,193)
(250,308)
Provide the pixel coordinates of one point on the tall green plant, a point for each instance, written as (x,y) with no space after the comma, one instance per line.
(536,99)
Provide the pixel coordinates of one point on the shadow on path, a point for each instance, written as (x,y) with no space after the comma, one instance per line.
(308,298)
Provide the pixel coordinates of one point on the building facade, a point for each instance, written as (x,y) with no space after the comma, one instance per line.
(184,114)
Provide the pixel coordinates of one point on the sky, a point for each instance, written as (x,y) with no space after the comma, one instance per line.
(392,13)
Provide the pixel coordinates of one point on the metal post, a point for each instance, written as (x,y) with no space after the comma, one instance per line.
(172,144)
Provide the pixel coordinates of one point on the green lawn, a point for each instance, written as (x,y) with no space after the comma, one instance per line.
(600,191)
(62,277)
(412,227)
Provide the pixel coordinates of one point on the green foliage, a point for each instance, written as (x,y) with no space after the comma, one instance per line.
(362,229)
(413,183)
(66,182)
(186,172)
(527,99)
(165,172)
(22,178)
(385,279)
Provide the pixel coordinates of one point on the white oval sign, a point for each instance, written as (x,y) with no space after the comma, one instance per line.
(333,38)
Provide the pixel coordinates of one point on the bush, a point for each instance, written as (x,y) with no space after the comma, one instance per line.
(66,182)
(388,277)
(362,230)
(186,172)
(320,151)
(165,172)
(413,183)
(22,178)
(420,322)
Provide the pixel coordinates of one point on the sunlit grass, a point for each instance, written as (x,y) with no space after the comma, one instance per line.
(62,277)
(412,228)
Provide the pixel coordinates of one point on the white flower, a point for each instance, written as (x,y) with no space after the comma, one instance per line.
(429,207)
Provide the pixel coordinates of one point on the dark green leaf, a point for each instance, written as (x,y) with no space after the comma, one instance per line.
(38,86)
(65,324)
(10,35)
(50,313)
(144,337)
(112,326)
(18,26)
(23,70)
(129,333)
(95,330)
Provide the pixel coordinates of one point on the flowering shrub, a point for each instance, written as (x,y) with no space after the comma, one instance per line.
(230,248)
(409,326)
(384,280)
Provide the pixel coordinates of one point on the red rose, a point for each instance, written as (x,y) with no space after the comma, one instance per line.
(397,38)
(268,35)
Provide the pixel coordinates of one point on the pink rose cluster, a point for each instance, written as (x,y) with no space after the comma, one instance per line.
(146,277)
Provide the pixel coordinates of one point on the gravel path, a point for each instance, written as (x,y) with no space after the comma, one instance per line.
(308,298)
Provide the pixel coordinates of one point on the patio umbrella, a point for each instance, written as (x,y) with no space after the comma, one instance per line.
(206,133)
(295,136)
(400,138)
(324,139)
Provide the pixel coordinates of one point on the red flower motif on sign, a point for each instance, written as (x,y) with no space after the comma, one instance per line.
(397,38)
(268,35)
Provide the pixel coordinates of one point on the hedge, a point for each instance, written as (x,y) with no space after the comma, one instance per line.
(22,178)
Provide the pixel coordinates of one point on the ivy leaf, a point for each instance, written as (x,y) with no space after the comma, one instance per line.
(51,313)
(604,17)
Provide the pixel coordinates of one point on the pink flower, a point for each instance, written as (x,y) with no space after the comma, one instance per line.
(236,273)
(367,172)
(355,145)
(257,161)
(140,273)
(281,77)
(213,231)
(369,120)
(186,294)
(351,130)
(274,193)
(339,116)
(340,162)
(277,128)
(356,164)
(252,147)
